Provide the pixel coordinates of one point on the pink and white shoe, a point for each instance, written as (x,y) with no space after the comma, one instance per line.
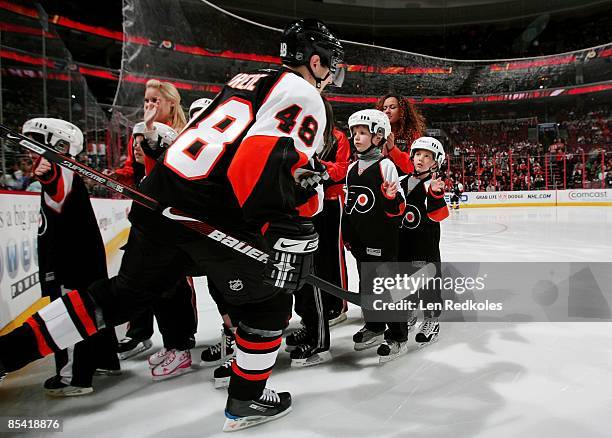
(175,363)
(157,358)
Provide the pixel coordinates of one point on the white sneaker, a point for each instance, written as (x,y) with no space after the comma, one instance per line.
(157,358)
(175,363)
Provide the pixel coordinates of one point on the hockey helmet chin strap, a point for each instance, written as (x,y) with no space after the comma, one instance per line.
(317,79)
(432,169)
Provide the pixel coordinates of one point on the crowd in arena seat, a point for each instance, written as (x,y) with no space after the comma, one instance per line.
(499,156)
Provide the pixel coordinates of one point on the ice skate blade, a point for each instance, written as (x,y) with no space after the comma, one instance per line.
(233,424)
(315,359)
(374,342)
(143,346)
(337,320)
(391,357)
(425,344)
(66,392)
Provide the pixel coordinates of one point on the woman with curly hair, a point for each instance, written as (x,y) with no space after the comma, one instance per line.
(407,124)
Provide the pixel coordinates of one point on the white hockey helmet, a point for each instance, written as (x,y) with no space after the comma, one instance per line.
(376,121)
(166,134)
(429,144)
(55,131)
(198,105)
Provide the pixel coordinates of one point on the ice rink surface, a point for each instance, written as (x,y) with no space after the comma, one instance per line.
(480,380)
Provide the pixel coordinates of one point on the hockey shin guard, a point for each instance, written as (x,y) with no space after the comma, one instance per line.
(256,352)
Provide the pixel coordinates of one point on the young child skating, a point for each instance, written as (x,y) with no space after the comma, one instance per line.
(419,236)
(373,207)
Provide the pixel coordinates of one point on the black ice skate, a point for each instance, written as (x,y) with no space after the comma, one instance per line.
(391,350)
(221,351)
(222,374)
(270,406)
(129,347)
(306,355)
(296,338)
(366,338)
(428,332)
(55,387)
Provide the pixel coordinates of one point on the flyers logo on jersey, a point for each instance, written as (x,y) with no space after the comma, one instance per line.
(359,199)
(412,217)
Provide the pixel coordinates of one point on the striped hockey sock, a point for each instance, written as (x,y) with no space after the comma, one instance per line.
(59,325)
(256,352)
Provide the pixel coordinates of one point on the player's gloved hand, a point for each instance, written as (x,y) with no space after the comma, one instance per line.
(311,175)
(290,259)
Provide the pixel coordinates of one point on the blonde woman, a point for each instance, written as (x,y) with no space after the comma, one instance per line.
(162,103)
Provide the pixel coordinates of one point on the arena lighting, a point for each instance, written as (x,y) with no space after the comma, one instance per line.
(215,88)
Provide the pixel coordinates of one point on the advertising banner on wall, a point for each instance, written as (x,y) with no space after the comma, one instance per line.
(595,197)
(19,283)
(19,220)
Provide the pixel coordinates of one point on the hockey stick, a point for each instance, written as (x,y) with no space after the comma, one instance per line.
(169,212)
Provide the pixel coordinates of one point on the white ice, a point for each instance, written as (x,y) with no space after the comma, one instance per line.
(480,380)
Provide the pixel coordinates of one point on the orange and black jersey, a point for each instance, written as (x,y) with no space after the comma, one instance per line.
(233,164)
(370,219)
(70,247)
(420,226)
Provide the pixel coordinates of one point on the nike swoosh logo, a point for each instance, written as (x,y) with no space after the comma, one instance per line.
(171,215)
(291,245)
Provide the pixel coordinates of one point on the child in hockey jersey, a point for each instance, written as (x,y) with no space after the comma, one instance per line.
(419,236)
(372,209)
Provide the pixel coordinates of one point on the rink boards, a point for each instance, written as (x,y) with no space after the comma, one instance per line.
(536,198)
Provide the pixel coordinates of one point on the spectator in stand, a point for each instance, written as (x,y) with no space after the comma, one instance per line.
(407,124)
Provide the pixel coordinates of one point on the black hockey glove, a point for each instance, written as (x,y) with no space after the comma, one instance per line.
(290,259)
(311,175)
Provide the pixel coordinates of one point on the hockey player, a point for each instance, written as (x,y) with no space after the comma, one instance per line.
(456,197)
(419,237)
(374,204)
(71,254)
(234,164)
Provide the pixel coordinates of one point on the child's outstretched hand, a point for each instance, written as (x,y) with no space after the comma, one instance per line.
(437,185)
(390,144)
(390,189)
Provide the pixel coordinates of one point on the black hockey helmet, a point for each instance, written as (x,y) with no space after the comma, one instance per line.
(306,37)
